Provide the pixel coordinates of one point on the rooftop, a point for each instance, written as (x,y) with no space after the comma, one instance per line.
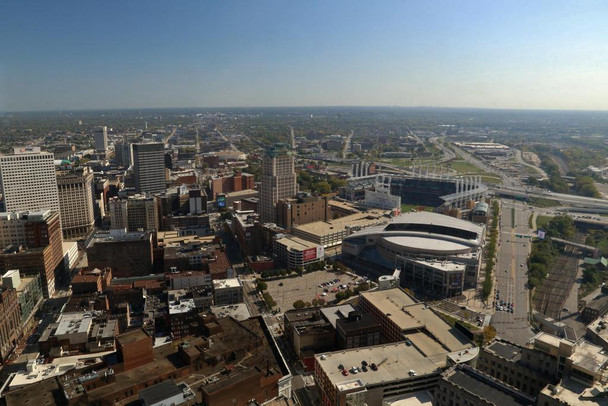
(159,392)
(589,357)
(227,283)
(571,392)
(333,313)
(237,311)
(505,350)
(131,337)
(486,387)
(365,219)
(295,243)
(410,316)
(394,362)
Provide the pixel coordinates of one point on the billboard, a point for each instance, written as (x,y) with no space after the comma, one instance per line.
(309,254)
(541,235)
(221,201)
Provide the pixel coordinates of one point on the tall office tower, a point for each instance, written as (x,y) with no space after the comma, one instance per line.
(28,181)
(122,153)
(135,213)
(278,181)
(101,139)
(76,202)
(149,168)
(31,242)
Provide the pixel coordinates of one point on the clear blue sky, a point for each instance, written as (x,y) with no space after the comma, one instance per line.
(115,54)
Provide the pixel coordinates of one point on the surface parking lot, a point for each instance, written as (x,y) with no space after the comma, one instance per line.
(288,290)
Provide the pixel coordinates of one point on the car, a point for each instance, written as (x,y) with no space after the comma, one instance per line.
(324,294)
(511,310)
(320,285)
(345,372)
(354,370)
(280,283)
(408,343)
(521,265)
(364,363)
(364,368)
(373,366)
(325,290)
(340,367)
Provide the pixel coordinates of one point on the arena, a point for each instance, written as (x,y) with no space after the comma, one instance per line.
(438,253)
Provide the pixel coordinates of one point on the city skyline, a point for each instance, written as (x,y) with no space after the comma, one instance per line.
(518,55)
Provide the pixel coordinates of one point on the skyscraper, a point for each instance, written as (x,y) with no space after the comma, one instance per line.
(149,168)
(101,139)
(278,181)
(27,180)
(76,202)
(122,153)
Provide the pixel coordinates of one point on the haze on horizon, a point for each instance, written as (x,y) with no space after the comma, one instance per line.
(138,54)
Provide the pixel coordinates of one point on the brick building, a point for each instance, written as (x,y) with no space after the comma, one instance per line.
(32,242)
(235,183)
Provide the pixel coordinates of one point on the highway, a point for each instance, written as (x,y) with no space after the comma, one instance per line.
(511,274)
(572,200)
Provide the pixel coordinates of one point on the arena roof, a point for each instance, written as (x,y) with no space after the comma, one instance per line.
(425,244)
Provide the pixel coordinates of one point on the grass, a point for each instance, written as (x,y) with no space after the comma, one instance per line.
(543,221)
(540,202)
(491,179)
(406,208)
(530,225)
(462,166)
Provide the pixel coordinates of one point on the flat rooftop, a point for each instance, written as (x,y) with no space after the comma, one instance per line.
(410,316)
(296,243)
(227,283)
(589,357)
(237,311)
(394,360)
(365,219)
(571,392)
(505,350)
(486,387)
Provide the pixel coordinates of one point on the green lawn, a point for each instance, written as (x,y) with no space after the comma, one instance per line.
(543,221)
(406,208)
(539,202)
(491,179)
(461,166)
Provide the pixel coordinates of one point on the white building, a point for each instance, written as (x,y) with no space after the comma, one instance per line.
(76,202)
(28,182)
(101,139)
(228,291)
(279,181)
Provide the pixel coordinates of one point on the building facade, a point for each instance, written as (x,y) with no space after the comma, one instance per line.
(302,210)
(149,168)
(32,243)
(134,213)
(28,182)
(75,189)
(279,181)
(100,139)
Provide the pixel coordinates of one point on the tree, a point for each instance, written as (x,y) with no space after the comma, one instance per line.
(261,285)
(299,304)
(489,333)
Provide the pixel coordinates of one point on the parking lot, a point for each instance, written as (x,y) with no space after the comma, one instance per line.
(307,287)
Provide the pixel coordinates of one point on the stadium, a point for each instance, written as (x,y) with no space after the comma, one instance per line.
(426,189)
(438,253)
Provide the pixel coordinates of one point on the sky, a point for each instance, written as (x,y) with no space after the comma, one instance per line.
(541,54)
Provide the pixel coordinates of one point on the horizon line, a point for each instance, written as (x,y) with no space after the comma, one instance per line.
(302,106)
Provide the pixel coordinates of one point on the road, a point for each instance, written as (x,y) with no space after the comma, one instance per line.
(521,161)
(506,179)
(601,205)
(346,147)
(447,154)
(511,274)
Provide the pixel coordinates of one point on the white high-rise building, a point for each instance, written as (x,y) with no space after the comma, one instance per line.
(28,181)
(101,139)
(149,168)
(76,202)
(279,181)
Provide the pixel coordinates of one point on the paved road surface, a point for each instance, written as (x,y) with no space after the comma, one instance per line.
(511,277)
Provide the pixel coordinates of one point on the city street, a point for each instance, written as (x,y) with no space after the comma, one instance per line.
(511,274)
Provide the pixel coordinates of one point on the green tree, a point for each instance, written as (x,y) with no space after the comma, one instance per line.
(299,304)
(261,285)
